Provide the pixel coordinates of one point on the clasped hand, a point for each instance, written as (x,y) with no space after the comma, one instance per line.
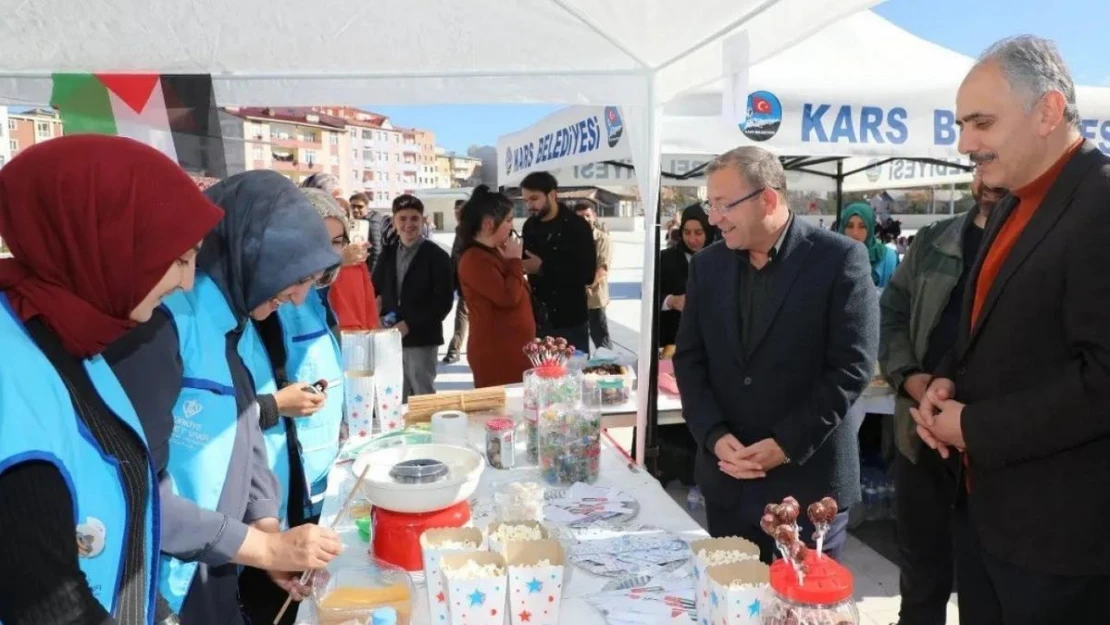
(750,462)
(939,418)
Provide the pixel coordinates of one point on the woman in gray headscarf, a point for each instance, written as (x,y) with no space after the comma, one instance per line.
(222,498)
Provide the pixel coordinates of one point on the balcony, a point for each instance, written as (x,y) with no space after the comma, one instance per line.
(412,148)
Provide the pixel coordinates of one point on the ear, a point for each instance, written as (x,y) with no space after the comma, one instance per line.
(770,200)
(1051,109)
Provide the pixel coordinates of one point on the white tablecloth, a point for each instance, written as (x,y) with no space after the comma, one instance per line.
(657,508)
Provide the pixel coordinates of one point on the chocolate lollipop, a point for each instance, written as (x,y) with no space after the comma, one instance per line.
(768,524)
(787,513)
(822,515)
(786,535)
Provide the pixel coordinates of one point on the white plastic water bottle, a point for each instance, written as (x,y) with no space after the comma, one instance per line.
(693,499)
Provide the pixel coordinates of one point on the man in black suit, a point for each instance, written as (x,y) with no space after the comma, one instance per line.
(777,340)
(1024,397)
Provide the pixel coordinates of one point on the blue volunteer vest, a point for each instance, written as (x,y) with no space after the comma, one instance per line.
(311,354)
(205,415)
(38,423)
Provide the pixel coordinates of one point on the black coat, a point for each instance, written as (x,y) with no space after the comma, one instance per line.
(1035,375)
(673,267)
(811,355)
(426,295)
(566,247)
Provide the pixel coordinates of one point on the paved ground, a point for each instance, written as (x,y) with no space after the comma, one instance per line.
(876,577)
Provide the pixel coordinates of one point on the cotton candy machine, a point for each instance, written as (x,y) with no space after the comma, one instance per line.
(416,487)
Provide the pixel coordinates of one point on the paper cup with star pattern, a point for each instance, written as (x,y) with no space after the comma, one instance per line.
(737,592)
(711,551)
(477,586)
(536,570)
(359,403)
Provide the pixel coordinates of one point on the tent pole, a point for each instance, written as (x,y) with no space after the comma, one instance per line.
(839,188)
(651,433)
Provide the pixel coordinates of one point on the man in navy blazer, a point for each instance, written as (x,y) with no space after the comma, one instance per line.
(778,339)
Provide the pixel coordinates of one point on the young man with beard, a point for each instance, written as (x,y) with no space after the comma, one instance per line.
(559,259)
(1023,400)
(920,316)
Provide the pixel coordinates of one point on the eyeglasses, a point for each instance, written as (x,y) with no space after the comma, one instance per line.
(710,209)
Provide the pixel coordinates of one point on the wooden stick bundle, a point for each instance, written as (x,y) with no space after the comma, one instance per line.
(422,407)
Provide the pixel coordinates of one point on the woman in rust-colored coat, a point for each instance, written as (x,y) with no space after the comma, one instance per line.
(492,280)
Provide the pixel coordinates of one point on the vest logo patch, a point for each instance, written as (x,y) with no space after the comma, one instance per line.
(90,537)
(191,408)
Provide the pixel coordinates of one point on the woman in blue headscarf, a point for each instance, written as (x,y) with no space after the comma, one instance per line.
(857,221)
(270,249)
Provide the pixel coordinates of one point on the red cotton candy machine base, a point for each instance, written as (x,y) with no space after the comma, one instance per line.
(397,534)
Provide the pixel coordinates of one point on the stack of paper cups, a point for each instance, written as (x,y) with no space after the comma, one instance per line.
(356,349)
(450,426)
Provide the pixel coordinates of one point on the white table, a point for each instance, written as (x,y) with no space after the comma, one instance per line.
(657,508)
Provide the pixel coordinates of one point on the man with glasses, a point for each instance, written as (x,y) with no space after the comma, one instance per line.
(372,232)
(777,340)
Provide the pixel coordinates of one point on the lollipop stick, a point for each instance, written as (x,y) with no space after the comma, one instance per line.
(307,575)
(820,544)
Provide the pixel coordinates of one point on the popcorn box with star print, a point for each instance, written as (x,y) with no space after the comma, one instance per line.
(536,571)
(714,551)
(477,585)
(386,356)
(501,534)
(737,592)
(434,544)
(358,404)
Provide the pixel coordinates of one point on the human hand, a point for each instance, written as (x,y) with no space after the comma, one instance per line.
(403,328)
(532,263)
(303,548)
(513,248)
(298,400)
(729,460)
(939,391)
(290,582)
(947,429)
(677,302)
(916,385)
(356,253)
(766,453)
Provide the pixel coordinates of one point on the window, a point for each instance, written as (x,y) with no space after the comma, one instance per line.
(257,153)
(367,134)
(354,154)
(333,138)
(14,145)
(11,124)
(385,176)
(397,158)
(2,160)
(311,158)
(334,160)
(367,155)
(42,130)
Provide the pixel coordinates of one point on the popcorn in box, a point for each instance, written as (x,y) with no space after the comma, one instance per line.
(713,551)
(536,571)
(434,544)
(514,531)
(737,593)
(477,585)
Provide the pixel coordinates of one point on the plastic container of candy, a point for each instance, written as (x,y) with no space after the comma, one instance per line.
(822,595)
(570,440)
(352,591)
(613,380)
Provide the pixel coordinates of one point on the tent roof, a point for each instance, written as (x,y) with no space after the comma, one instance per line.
(280,52)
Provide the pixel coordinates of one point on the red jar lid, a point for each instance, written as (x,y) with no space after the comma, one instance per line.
(497,425)
(826,581)
(551,371)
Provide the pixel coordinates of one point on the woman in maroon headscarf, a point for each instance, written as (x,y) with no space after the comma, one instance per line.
(100,230)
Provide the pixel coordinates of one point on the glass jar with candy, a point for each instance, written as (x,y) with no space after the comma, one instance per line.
(570,439)
(549,381)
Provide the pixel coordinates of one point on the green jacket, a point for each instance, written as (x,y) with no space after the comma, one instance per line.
(911,306)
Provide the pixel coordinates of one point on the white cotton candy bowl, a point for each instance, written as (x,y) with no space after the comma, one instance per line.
(464,469)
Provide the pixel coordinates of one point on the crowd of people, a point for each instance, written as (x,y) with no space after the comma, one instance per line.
(171,387)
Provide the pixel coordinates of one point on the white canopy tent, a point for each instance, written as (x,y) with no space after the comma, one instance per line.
(862,87)
(638,54)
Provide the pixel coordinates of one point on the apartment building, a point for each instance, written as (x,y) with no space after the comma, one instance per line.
(30,127)
(295,142)
(385,160)
(454,171)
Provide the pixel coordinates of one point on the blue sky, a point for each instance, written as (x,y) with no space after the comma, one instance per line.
(966,27)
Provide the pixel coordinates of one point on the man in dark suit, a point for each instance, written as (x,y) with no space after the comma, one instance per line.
(777,340)
(1024,397)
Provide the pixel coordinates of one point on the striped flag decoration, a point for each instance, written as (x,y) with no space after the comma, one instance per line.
(175,113)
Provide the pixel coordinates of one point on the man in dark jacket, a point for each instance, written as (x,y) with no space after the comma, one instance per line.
(415,282)
(776,342)
(1024,398)
(560,261)
(920,316)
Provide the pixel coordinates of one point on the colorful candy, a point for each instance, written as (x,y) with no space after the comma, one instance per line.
(570,444)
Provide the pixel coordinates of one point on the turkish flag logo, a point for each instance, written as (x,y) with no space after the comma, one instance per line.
(761,105)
